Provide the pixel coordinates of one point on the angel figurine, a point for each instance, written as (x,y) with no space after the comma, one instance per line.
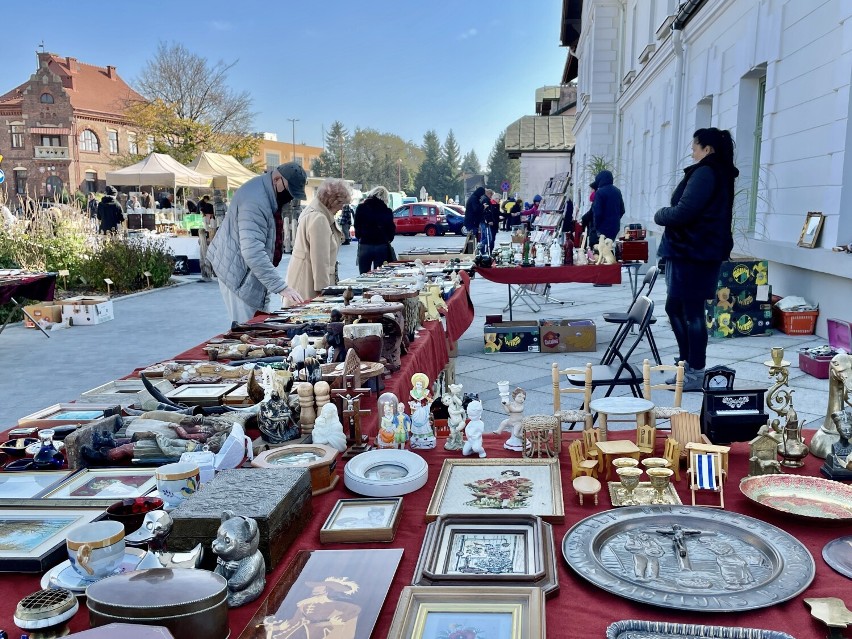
(474,429)
(455,422)
(515,410)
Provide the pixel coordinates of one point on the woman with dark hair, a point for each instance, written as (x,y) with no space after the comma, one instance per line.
(696,240)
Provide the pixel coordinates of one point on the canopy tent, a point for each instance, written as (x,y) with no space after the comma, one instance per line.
(157,169)
(226,170)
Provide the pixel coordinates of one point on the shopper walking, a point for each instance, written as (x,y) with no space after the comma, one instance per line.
(608,207)
(346,222)
(206,233)
(109,212)
(474,211)
(375,230)
(696,240)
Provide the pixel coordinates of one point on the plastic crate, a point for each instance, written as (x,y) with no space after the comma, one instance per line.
(794,322)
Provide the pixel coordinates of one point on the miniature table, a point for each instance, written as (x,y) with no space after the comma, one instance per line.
(605,406)
(587,485)
(617,448)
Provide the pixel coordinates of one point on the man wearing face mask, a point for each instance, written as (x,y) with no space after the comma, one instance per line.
(249,245)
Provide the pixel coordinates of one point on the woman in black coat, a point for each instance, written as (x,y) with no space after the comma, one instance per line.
(696,240)
(109,211)
(375,230)
(474,211)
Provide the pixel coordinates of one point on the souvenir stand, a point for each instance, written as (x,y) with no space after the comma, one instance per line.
(547,225)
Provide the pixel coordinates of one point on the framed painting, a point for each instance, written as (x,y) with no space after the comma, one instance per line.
(63,414)
(125,391)
(110,484)
(324,593)
(811,229)
(33,540)
(487,550)
(201,394)
(362,520)
(29,484)
(498,487)
(431,612)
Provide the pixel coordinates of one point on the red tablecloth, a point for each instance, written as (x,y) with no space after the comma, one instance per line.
(588,274)
(38,286)
(459,312)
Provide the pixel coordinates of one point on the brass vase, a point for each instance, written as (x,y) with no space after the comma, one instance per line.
(629,481)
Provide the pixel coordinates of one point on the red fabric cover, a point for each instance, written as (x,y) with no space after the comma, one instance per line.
(40,287)
(588,274)
(459,313)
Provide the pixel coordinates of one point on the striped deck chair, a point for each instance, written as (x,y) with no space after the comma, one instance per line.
(705,473)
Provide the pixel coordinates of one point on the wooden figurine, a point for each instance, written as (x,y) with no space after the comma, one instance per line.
(307,412)
(763,456)
(322,394)
(431,298)
(350,400)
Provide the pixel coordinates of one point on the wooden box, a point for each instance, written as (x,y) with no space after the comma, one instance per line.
(634,250)
(278,499)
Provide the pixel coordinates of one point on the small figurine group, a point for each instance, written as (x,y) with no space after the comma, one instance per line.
(395,425)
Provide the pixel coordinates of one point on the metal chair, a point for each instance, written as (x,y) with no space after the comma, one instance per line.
(663,412)
(621,318)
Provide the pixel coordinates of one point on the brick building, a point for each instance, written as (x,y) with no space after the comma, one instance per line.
(64,128)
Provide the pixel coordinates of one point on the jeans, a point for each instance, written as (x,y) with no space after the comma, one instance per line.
(371,256)
(689,328)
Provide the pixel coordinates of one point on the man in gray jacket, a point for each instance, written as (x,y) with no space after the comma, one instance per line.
(248,246)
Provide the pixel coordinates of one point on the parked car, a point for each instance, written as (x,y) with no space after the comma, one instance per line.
(420,217)
(455,219)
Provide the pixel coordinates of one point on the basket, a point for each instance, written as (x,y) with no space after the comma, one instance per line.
(794,322)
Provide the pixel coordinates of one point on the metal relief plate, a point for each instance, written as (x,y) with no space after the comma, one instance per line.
(643,493)
(633,629)
(689,558)
(838,554)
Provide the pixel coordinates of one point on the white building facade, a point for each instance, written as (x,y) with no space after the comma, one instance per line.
(776,73)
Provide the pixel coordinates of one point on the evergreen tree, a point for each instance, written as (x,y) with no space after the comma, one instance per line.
(470,164)
(332,161)
(501,168)
(452,186)
(431,173)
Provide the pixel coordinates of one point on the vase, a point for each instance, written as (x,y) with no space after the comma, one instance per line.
(47,456)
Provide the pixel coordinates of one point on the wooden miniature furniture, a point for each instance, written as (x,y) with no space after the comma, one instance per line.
(579,464)
(705,473)
(618,448)
(568,415)
(586,485)
(646,436)
(722,451)
(637,407)
(541,435)
(672,453)
(663,412)
(686,428)
(590,440)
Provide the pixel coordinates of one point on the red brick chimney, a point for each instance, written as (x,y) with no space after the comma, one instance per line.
(72,63)
(111,72)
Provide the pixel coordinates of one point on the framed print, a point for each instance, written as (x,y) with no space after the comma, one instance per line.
(498,487)
(811,229)
(362,520)
(28,484)
(125,391)
(33,539)
(63,414)
(201,394)
(431,612)
(110,484)
(327,593)
(484,550)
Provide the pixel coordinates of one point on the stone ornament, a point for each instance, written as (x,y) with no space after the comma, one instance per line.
(239,560)
(328,428)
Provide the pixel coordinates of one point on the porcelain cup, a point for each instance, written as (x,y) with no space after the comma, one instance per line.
(176,482)
(96,550)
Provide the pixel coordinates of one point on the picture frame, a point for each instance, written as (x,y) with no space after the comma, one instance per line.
(352,584)
(125,391)
(28,484)
(479,486)
(33,539)
(104,486)
(64,414)
(424,612)
(201,394)
(811,229)
(362,521)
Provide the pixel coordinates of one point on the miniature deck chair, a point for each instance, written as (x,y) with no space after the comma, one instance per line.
(621,318)
(663,412)
(705,473)
(568,415)
(579,464)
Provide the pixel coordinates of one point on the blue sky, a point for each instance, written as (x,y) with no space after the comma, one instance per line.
(399,66)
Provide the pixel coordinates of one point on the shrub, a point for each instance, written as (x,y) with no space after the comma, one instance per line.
(124,260)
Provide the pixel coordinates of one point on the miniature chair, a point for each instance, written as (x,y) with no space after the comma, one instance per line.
(672,454)
(645,439)
(579,464)
(572,416)
(716,449)
(686,428)
(663,412)
(621,318)
(590,438)
(705,473)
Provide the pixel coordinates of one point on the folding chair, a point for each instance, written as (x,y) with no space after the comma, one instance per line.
(663,412)
(572,416)
(705,473)
(612,374)
(621,318)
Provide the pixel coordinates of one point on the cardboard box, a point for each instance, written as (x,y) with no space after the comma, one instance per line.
(568,336)
(85,311)
(742,272)
(731,323)
(512,337)
(50,312)
(740,298)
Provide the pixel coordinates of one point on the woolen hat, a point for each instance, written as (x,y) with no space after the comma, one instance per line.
(296,179)
(110,190)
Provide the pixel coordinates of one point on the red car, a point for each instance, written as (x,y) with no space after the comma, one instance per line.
(420,217)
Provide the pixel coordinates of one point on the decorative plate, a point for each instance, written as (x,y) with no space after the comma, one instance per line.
(806,497)
(697,559)
(385,473)
(838,554)
(633,629)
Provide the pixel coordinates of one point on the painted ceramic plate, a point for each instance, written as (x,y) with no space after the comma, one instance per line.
(633,629)
(838,554)
(807,497)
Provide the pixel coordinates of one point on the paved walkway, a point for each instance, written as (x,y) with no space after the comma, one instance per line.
(150,327)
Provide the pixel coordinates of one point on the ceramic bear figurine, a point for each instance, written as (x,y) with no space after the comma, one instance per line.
(239,561)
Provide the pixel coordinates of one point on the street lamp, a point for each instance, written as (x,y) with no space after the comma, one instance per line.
(293,122)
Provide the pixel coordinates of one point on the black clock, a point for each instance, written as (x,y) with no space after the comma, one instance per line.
(719,378)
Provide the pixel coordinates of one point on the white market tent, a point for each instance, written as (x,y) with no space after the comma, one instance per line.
(157,169)
(227,172)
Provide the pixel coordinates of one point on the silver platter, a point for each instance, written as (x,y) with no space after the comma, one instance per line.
(689,558)
(633,629)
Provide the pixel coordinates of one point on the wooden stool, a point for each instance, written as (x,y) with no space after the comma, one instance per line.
(587,486)
(542,436)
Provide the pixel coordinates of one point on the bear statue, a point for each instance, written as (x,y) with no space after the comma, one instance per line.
(238,559)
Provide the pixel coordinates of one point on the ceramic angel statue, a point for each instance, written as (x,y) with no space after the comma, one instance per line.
(455,422)
(422,435)
(328,429)
(387,424)
(515,410)
(474,429)
(555,252)
(540,257)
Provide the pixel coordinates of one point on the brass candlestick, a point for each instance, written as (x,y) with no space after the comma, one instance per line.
(779,399)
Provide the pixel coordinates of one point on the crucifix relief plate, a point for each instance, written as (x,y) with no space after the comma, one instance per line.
(689,558)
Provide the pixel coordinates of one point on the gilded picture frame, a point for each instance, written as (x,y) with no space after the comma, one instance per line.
(103,486)
(362,520)
(811,229)
(499,487)
(426,612)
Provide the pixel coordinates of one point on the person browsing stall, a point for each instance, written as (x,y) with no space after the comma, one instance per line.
(374,229)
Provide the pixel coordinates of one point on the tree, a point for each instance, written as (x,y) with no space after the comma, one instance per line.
(431,173)
(332,162)
(452,186)
(470,164)
(501,168)
(190,108)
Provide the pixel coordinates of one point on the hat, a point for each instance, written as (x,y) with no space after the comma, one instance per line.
(594,185)
(296,179)
(537,198)
(110,190)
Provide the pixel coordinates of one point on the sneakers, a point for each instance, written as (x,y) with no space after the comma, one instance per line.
(693,380)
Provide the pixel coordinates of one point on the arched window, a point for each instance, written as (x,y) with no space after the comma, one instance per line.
(46,98)
(89,141)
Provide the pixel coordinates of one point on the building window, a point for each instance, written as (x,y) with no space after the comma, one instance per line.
(46,98)
(89,141)
(149,144)
(112,136)
(91,181)
(132,146)
(51,140)
(16,129)
(21,182)
(299,160)
(272,160)
(53,186)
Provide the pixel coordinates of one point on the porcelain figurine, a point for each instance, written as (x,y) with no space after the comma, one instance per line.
(580,258)
(402,432)
(455,422)
(515,410)
(303,350)
(555,252)
(155,531)
(474,429)
(839,395)
(606,254)
(238,558)
(387,424)
(420,388)
(422,435)
(836,463)
(540,257)
(328,428)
